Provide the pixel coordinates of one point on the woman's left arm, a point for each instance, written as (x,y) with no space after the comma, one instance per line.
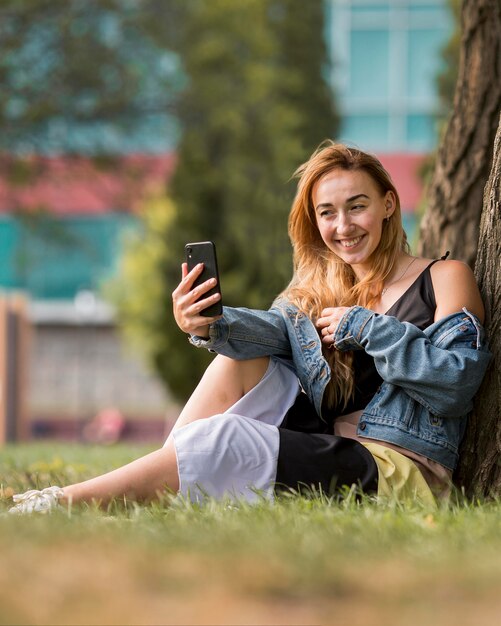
(441,368)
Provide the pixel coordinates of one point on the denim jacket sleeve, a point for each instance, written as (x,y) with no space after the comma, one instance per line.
(441,368)
(247,333)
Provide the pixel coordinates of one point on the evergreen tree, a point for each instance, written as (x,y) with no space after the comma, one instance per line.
(246,126)
(305,59)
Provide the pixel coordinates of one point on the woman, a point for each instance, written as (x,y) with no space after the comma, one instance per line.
(361,373)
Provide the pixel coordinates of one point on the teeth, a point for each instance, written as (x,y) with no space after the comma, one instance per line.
(349,243)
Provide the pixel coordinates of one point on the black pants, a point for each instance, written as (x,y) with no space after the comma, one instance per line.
(310,456)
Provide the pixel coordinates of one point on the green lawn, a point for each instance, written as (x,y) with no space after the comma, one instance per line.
(299,561)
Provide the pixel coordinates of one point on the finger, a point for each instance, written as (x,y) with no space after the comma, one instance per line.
(322,321)
(198,291)
(195,308)
(184,270)
(187,281)
(210,320)
(195,272)
(202,320)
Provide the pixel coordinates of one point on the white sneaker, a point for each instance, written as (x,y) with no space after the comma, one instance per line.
(35,501)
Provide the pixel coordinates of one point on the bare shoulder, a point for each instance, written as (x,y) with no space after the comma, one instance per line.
(455,287)
(451,269)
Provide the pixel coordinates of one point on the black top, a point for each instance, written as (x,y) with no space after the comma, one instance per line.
(416,305)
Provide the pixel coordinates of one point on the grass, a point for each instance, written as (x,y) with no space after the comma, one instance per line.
(299,561)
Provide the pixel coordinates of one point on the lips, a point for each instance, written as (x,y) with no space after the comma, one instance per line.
(350,243)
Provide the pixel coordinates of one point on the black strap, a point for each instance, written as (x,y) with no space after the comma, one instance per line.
(442,258)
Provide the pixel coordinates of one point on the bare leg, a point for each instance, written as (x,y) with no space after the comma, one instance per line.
(143,479)
(224,382)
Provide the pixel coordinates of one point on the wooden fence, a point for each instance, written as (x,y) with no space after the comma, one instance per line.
(14,338)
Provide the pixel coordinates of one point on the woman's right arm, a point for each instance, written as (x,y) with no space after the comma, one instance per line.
(239,333)
(247,334)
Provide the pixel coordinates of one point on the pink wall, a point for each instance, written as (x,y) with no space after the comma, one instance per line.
(76,185)
(79,186)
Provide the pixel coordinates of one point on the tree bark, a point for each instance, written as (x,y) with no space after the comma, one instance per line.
(480,467)
(452,219)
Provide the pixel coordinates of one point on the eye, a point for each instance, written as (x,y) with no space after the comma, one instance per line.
(356,207)
(326,213)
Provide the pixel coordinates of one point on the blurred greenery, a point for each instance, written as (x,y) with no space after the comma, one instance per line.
(255,105)
(82,77)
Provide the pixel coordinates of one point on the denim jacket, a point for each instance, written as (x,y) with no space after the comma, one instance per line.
(429,377)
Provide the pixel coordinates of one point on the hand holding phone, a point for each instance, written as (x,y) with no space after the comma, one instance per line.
(205,252)
(197,299)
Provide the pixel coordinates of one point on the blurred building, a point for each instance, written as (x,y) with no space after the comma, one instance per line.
(385,60)
(59,250)
(66,241)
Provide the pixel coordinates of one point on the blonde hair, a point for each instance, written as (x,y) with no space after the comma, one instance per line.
(322,279)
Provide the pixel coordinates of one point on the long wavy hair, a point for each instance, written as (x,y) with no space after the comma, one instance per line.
(321,278)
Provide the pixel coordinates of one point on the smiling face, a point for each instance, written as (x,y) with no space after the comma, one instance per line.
(349,211)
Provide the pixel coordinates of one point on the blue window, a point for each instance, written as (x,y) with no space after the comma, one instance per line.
(423,62)
(369,56)
(54,257)
(380,8)
(366,131)
(421,131)
(436,11)
(386,56)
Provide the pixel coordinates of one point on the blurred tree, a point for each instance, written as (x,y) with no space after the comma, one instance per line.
(84,77)
(140,291)
(305,66)
(91,79)
(253,109)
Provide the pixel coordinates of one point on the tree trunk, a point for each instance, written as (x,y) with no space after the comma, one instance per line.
(452,219)
(480,467)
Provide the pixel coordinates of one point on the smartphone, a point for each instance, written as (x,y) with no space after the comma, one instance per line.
(205,252)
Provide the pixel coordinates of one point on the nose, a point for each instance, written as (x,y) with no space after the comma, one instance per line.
(344,224)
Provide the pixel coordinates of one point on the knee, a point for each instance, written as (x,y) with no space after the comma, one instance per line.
(211,429)
(253,371)
(241,365)
(246,374)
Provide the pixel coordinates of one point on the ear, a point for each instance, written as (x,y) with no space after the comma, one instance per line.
(390,203)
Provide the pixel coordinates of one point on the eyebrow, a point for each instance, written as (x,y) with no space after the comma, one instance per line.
(350,199)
